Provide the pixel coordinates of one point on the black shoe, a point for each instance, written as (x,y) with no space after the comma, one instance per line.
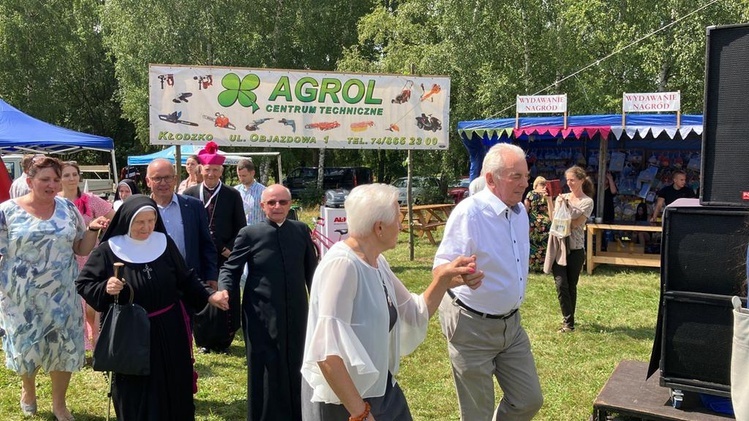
(224,351)
(204,350)
(2,332)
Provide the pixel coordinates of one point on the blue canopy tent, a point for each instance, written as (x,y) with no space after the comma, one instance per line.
(21,133)
(187,150)
(651,131)
(167,153)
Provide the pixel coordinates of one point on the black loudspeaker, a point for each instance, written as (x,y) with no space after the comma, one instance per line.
(696,346)
(724,179)
(704,248)
(703,264)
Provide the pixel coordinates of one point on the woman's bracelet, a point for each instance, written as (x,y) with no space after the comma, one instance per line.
(363,416)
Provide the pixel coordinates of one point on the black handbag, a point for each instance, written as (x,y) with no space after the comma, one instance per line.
(124,344)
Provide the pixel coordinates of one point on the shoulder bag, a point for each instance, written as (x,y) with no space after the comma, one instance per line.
(124,344)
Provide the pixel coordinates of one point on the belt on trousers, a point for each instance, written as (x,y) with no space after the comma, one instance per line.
(483,315)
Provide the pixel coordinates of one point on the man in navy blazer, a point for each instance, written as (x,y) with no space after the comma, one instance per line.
(186,221)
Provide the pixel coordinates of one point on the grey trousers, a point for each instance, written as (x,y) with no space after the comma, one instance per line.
(482,349)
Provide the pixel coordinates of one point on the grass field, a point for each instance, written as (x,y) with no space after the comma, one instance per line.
(615,320)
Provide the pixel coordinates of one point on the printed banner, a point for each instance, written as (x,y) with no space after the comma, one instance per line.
(297,109)
(651,102)
(535,104)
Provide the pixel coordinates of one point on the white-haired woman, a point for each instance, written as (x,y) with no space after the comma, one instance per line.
(362,318)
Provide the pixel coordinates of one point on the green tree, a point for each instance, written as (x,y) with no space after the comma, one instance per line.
(280,34)
(496,49)
(53,66)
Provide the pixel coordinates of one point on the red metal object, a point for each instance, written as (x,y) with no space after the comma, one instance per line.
(460,191)
(5,182)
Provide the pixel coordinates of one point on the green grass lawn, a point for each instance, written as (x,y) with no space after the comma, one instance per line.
(615,320)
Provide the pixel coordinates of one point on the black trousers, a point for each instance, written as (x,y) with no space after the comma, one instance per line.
(565,279)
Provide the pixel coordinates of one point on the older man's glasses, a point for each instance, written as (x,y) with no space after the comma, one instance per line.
(280,202)
(164,179)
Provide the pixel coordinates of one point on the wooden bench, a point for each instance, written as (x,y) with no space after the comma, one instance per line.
(426,219)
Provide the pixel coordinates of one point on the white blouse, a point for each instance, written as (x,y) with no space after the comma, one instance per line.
(348,317)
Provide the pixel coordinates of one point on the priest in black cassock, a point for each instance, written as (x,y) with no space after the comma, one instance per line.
(281,261)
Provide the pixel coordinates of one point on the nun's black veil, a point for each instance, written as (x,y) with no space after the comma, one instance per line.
(120,224)
(130,183)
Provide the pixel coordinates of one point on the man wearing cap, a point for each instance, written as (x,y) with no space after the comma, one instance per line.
(281,260)
(214,331)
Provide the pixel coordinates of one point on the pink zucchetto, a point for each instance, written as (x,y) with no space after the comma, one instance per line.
(209,155)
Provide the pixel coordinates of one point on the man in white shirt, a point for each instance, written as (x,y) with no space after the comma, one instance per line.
(485,337)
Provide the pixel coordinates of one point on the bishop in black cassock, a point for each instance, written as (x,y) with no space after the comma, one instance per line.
(281,261)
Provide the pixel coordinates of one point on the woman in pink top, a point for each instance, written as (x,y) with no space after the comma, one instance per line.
(192,166)
(91,207)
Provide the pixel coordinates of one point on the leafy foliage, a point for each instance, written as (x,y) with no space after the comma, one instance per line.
(84,63)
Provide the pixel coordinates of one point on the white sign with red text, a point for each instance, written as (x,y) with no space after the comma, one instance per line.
(537,104)
(651,102)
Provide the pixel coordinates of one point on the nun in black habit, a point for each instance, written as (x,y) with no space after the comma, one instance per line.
(163,286)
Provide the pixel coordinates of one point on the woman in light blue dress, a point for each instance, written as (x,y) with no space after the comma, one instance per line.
(39,308)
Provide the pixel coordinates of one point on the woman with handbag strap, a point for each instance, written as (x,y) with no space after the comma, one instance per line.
(160,279)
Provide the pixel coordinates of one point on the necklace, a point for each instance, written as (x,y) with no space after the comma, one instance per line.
(387,295)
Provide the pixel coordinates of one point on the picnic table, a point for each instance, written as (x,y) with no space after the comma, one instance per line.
(426,219)
(629,255)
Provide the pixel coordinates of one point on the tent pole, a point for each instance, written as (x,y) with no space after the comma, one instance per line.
(178,164)
(280,171)
(114,168)
(601,191)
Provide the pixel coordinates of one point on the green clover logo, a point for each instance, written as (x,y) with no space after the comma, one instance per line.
(239,91)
